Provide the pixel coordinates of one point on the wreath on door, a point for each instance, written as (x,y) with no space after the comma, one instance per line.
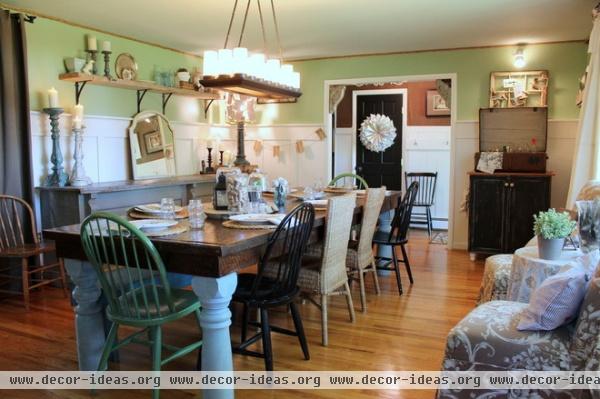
(377,132)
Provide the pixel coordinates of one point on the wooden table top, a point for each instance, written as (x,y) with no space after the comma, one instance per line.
(212,251)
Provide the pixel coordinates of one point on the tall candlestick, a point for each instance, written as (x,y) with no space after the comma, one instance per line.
(209,169)
(78,178)
(92,43)
(58,177)
(52,98)
(94,57)
(107,63)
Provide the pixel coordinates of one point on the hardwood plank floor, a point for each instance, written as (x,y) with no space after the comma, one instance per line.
(405,332)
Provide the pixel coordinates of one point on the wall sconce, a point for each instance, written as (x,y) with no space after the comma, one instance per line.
(519,61)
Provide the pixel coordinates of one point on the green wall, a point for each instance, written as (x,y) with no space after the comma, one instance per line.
(565,62)
(50,41)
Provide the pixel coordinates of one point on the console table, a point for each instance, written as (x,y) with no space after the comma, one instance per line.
(61,206)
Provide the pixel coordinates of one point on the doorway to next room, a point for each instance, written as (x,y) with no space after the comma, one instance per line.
(421,146)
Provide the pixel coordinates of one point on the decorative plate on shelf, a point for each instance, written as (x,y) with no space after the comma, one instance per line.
(126,67)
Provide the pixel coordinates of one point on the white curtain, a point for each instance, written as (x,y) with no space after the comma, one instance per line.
(586,159)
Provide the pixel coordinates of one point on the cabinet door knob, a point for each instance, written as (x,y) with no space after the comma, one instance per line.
(505,184)
(512,184)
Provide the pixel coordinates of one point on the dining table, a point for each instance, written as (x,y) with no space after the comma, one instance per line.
(213,255)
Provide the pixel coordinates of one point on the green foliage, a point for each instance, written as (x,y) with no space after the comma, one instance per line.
(552,224)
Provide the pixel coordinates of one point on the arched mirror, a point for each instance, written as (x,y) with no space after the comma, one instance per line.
(152,146)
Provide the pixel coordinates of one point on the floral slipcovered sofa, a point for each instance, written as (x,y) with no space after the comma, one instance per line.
(487,339)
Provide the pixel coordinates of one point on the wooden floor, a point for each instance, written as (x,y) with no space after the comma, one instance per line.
(405,332)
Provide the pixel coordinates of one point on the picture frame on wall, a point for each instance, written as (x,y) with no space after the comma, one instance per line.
(436,106)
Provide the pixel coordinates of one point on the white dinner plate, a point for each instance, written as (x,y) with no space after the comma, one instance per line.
(252,218)
(153,224)
(154,209)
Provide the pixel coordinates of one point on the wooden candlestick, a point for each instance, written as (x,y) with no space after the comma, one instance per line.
(240,159)
(107,64)
(209,169)
(58,177)
(221,157)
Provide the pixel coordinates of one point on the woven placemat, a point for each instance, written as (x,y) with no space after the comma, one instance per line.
(177,229)
(231,224)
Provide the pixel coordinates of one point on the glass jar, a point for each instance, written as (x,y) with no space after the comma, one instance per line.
(196,215)
(237,192)
(167,208)
(258,180)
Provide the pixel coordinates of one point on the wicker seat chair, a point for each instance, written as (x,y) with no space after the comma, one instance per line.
(360,259)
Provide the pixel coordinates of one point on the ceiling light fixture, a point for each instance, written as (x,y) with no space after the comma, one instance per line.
(253,74)
(519,61)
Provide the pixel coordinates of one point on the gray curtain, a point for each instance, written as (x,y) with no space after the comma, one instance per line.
(15,139)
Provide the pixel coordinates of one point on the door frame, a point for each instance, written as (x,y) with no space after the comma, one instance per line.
(328,124)
(373,92)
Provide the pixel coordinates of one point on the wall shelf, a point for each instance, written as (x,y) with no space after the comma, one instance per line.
(142,87)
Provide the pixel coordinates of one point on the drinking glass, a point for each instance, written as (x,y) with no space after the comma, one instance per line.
(309,193)
(167,208)
(255,200)
(196,214)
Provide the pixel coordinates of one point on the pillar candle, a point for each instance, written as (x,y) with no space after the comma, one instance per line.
(77,123)
(78,111)
(92,43)
(106,45)
(52,98)
(209,144)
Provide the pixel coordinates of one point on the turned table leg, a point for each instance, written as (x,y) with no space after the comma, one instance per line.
(89,324)
(215,319)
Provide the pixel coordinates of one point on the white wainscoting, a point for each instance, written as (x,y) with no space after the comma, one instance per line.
(561,144)
(107,156)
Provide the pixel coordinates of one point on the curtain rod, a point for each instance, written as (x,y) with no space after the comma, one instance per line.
(26,18)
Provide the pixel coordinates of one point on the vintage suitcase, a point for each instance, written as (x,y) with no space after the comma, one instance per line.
(521,133)
(534,162)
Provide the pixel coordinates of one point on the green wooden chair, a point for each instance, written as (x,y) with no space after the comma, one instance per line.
(134,281)
(356,180)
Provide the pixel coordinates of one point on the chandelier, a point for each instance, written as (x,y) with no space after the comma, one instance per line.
(253,74)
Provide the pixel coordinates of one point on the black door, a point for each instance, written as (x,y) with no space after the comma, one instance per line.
(380,168)
(487,214)
(526,197)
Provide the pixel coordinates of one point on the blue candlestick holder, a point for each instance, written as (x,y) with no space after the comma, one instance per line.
(58,177)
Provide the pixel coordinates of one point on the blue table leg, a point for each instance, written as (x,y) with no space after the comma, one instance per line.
(215,319)
(89,324)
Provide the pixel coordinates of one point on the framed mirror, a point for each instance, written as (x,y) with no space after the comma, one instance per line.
(152,146)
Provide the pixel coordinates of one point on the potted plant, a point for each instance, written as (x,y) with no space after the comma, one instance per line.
(551,229)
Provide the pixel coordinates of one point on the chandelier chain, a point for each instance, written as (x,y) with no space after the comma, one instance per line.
(244,24)
(230,23)
(277,31)
(262,27)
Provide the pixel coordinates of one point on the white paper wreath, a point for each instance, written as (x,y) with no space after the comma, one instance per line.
(377,132)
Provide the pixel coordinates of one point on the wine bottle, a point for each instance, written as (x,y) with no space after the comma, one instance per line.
(220,196)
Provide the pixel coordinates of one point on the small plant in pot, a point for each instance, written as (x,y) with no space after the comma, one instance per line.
(551,229)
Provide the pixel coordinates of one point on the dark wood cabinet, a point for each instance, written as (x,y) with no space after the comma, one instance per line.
(501,209)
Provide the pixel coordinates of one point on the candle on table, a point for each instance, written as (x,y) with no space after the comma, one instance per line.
(209,144)
(77,123)
(106,46)
(52,98)
(78,111)
(92,43)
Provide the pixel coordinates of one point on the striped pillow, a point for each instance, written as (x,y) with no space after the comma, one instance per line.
(555,302)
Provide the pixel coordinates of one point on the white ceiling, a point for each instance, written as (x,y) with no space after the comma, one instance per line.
(324,28)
